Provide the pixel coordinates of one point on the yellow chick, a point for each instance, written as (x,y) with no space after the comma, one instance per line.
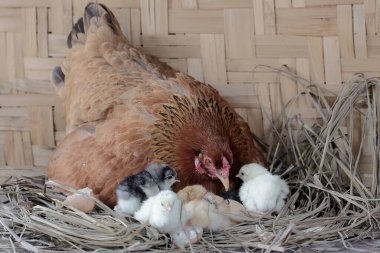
(207,210)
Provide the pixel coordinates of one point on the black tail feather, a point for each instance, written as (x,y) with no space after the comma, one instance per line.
(77,28)
(90,11)
(58,77)
(93,10)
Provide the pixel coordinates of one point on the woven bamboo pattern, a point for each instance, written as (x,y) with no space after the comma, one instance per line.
(222,42)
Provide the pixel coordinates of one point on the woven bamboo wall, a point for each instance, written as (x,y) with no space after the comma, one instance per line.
(218,41)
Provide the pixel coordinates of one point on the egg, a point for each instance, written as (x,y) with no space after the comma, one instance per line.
(81,201)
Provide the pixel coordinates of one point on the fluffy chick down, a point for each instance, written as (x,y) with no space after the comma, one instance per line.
(163,175)
(261,191)
(162,211)
(135,189)
(186,214)
(207,210)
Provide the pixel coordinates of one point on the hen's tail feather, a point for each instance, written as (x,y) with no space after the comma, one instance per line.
(100,10)
(111,20)
(77,28)
(57,77)
(83,24)
(91,10)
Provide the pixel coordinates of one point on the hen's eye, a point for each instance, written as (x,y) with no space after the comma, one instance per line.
(208,161)
(169,177)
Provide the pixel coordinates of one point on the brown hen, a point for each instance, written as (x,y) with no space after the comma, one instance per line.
(126,109)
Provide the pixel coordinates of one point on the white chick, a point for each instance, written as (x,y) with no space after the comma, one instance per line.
(162,211)
(261,191)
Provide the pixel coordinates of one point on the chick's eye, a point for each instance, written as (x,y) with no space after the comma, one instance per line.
(242,173)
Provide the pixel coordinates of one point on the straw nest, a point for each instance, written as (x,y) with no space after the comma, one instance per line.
(328,204)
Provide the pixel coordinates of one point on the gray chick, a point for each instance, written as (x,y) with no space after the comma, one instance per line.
(163,175)
(133,190)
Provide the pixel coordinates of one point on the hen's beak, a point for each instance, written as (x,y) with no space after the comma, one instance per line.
(238,175)
(225,181)
(177,181)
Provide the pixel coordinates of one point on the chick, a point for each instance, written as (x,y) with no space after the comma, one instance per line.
(261,191)
(207,210)
(137,188)
(191,192)
(164,176)
(162,211)
(133,190)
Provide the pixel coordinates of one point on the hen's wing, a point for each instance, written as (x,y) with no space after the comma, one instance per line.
(100,155)
(107,70)
(80,139)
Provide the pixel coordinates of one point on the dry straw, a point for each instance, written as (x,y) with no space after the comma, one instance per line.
(329,203)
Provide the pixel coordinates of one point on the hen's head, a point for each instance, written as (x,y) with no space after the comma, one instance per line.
(215,160)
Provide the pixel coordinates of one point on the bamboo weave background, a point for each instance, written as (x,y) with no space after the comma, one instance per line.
(218,41)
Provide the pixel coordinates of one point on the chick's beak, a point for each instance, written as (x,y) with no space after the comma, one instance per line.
(225,181)
(238,175)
